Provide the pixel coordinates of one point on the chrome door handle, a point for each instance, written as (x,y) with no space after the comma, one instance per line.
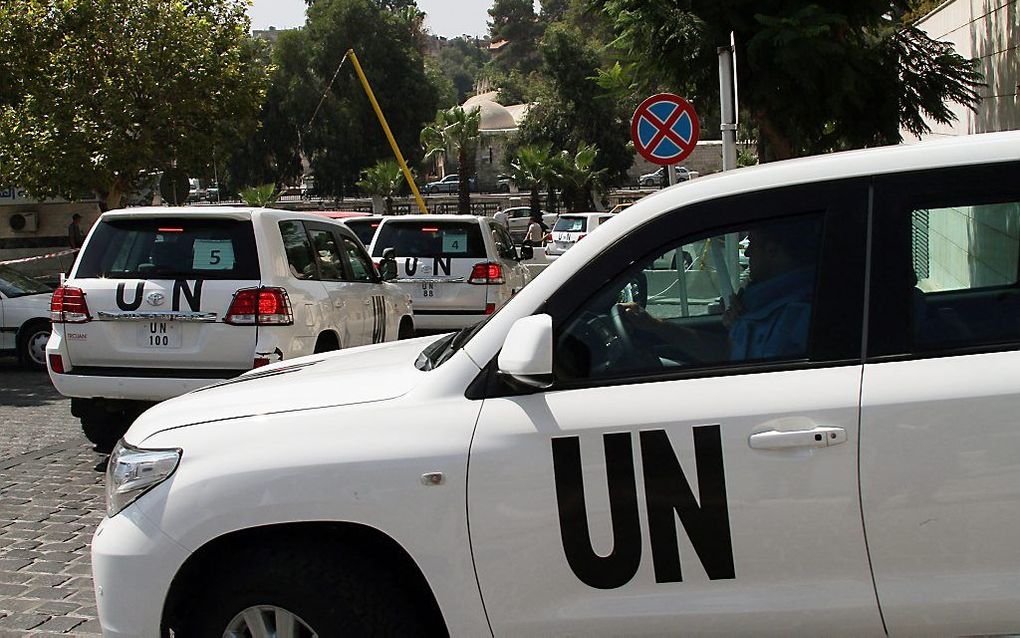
(821,436)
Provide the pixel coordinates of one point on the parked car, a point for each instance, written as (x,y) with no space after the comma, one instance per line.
(518,218)
(24,317)
(503,183)
(449,184)
(571,228)
(162,301)
(559,471)
(457,269)
(659,179)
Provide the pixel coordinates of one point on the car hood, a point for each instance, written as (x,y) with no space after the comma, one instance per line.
(358,375)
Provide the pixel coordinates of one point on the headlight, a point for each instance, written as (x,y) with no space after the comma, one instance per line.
(132,472)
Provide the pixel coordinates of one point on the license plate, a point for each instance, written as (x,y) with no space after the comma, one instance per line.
(563,238)
(159,335)
(427,290)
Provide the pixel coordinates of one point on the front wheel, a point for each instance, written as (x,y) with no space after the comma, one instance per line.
(309,591)
(32,345)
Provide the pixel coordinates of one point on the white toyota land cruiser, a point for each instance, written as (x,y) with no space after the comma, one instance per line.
(625,449)
(162,301)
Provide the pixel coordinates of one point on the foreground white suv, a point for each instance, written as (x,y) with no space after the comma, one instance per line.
(612,454)
(162,301)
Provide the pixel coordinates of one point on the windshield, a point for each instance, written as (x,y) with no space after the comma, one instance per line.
(363,228)
(438,352)
(431,239)
(570,224)
(14,283)
(171,247)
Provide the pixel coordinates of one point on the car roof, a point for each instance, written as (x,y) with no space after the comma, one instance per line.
(339,214)
(436,218)
(211,212)
(586,214)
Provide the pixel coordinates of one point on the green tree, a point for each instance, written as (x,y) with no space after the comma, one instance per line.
(531,167)
(814,77)
(572,108)
(383,180)
(455,132)
(515,22)
(97,93)
(461,61)
(260,196)
(580,178)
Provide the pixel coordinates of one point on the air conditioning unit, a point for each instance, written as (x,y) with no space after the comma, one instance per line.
(24,222)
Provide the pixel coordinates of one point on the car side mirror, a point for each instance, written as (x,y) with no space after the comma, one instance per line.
(388,265)
(526,356)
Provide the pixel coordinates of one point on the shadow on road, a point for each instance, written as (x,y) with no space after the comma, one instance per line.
(24,388)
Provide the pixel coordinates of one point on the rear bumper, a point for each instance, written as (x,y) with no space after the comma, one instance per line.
(437,321)
(131,388)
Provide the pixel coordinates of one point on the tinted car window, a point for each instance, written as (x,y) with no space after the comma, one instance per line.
(361,268)
(298,249)
(16,284)
(363,228)
(431,239)
(966,261)
(171,248)
(566,224)
(652,319)
(327,253)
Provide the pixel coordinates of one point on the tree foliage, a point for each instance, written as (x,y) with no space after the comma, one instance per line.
(515,22)
(455,132)
(384,179)
(814,77)
(531,168)
(97,93)
(573,109)
(344,137)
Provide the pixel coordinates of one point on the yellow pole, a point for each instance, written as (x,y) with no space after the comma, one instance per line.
(386,129)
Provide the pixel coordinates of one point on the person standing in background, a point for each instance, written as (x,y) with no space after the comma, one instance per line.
(75,236)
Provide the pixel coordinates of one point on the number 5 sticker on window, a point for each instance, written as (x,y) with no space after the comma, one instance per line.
(213,254)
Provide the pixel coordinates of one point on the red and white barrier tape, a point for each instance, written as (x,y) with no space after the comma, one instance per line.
(69,251)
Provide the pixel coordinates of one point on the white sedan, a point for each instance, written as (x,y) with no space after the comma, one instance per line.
(24,317)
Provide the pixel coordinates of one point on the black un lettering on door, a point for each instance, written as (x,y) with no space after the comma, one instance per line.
(668,495)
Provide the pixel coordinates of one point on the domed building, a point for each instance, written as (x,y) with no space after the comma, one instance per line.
(497,127)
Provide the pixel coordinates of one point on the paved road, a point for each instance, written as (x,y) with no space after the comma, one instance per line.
(51,499)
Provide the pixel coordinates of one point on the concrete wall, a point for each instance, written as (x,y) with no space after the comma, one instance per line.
(988,31)
(50,236)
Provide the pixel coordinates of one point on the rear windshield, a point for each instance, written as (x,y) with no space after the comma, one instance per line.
(363,228)
(431,239)
(171,248)
(570,224)
(14,283)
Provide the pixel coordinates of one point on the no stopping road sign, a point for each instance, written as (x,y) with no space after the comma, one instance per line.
(665,129)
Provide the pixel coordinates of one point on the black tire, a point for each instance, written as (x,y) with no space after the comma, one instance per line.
(333,592)
(406,329)
(103,433)
(32,344)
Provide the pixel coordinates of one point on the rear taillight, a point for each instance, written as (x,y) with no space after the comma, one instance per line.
(486,273)
(260,306)
(548,238)
(259,362)
(490,308)
(581,236)
(57,363)
(67,305)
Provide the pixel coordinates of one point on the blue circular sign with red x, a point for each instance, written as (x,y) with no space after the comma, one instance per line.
(665,129)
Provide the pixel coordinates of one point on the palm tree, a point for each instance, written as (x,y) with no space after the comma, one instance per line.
(531,167)
(260,196)
(455,131)
(382,180)
(579,177)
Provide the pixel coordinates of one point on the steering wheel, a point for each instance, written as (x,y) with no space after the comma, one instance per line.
(621,328)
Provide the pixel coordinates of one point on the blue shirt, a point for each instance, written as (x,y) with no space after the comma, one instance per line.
(777,314)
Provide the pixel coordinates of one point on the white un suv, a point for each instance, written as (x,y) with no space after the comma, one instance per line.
(162,301)
(623,450)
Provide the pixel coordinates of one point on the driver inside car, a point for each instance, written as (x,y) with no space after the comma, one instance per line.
(767,318)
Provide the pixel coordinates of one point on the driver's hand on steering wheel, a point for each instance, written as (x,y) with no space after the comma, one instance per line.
(638,317)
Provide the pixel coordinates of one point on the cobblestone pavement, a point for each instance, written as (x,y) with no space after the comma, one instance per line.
(51,500)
